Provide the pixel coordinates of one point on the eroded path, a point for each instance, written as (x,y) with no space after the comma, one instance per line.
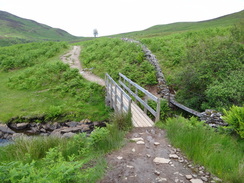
(149,158)
(72,58)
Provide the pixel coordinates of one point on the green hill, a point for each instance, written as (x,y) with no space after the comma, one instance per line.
(158,30)
(19,30)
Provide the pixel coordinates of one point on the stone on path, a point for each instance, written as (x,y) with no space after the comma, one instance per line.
(119,157)
(156,172)
(140,142)
(128,166)
(137,139)
(133,150)
(161,179)
(173,156)
(158,160)
(188,177)
(204,179)
(156,143)
(196,181)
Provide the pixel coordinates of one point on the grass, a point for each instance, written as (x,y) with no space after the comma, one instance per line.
(106,55)
(181,27)
(51,159)
(39,84)
(23,30)
(221,154)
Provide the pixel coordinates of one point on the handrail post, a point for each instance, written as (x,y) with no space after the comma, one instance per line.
(136,94)
(115,98)
(111,95)
(158,110)
(129,107)
(122,101)
(145,109)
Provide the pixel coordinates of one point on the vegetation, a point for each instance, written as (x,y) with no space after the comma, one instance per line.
(35,83)
(50,159)
(202,61)
(16,30)
(235,118)
(114,56)
(204,67)
(221,154)
(181,27)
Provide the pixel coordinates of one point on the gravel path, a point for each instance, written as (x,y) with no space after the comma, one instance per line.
(149,158)
(72,58)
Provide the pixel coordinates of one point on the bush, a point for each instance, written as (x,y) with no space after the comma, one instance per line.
(204,66)
(235,118)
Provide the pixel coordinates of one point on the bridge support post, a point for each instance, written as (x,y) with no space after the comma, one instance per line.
(158,110)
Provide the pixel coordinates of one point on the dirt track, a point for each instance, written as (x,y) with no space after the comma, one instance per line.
(72,58)
(137,164)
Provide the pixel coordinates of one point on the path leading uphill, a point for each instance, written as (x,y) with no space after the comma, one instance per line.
(72,58)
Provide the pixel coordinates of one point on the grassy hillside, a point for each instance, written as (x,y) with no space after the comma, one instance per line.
(205,67)
(114,56)
(35,83)
(19,30)
(159,30)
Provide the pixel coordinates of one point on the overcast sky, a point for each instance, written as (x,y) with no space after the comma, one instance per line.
(80,17)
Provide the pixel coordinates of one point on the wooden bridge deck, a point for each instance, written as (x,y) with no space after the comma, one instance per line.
(139,118)
(120,101)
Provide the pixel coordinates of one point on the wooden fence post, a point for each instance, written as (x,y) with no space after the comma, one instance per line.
(122,101)
(158,110)
(115,98)
(145,109)
(111,95)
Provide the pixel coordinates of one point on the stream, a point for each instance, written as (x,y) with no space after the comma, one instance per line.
(4,142)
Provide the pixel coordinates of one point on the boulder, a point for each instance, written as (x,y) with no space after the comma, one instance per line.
(68,135)
(5,129)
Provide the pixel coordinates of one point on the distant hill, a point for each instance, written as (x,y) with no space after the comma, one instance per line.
(14,29)
(227,20)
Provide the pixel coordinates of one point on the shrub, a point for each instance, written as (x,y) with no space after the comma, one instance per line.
(235,118)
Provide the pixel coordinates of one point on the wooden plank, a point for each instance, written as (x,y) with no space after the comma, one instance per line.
(144,120)
(139,118)
(119,98)
(196,113)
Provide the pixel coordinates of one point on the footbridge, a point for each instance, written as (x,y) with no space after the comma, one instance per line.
(127,96)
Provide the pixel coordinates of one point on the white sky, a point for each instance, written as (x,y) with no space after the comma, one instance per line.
(80,17)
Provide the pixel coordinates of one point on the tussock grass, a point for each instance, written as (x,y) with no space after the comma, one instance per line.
(219,153)
(52,159)
(35,147)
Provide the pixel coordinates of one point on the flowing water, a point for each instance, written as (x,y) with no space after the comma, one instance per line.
(4,142)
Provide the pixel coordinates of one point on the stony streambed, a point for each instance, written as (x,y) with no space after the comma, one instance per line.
(10,131)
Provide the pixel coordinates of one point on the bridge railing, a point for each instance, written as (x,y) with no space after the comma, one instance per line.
(118,99)
(126,84)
